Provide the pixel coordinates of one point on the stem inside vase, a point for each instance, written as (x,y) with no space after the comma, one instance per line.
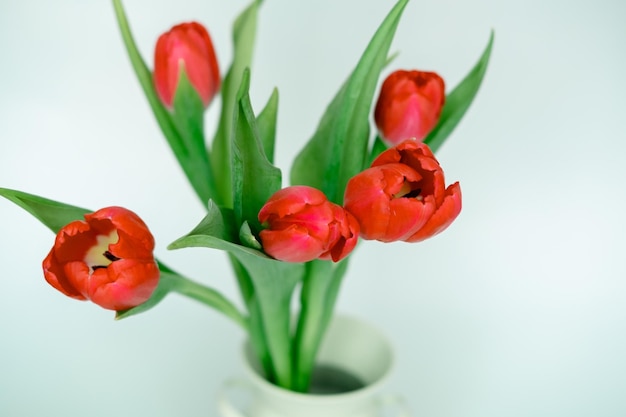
(329,379)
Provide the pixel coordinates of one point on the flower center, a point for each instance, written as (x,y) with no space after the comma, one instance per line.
(98,256)
(408,191)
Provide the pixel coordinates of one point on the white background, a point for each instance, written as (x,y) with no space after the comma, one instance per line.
(517,310)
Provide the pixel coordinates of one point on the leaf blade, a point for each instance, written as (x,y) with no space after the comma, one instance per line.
(53,214)
(244,32)
(185,159)
(338,149)
(266,123)
(459,100)
(188,117)
(255,179)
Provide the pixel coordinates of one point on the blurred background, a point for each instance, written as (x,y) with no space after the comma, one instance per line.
(517,310)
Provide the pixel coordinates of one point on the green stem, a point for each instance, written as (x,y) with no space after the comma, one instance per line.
(256,333)
(243,279)
(259,342)
(319,293)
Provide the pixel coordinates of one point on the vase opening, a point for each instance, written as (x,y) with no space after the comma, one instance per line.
(329,379)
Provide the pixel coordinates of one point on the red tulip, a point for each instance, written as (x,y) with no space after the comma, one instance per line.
(402,196)
(187,46)
(303,225)
(409,105)
(106,259)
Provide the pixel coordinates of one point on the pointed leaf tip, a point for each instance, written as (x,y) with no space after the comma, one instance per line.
(460,99)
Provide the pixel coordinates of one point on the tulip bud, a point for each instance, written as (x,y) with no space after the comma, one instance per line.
(303,225)
(186,46)
(106,259)
(402,196)
(409,105)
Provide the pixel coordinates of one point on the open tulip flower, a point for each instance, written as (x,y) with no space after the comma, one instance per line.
(302,225)
(409,105)
(402,196)
(187,46)
(106,259)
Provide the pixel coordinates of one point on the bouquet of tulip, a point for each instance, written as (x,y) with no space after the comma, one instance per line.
(346,185)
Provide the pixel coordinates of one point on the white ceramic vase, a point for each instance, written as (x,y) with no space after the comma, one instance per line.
(351,345)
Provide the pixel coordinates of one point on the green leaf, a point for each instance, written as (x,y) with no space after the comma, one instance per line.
(459,100)
(244,31)
(255,179)
(274,283)
(247,238)
(218,222)
(52,214)
(197,177)
(188,117)
(266,124)
(198,239)
(170,281)
(338,150)
(378,147)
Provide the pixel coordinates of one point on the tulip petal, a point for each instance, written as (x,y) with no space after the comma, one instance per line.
(418,156)
(78,275)
(376,197)
(408,152)
(72,242)
(316,220)
(446,213)
(123,284)
(365,198)
(55,276)
(293,244)
(348,236)
(135,240)
(407,216)
(291,200)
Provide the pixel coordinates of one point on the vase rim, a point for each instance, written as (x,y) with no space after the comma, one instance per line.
(340,319)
